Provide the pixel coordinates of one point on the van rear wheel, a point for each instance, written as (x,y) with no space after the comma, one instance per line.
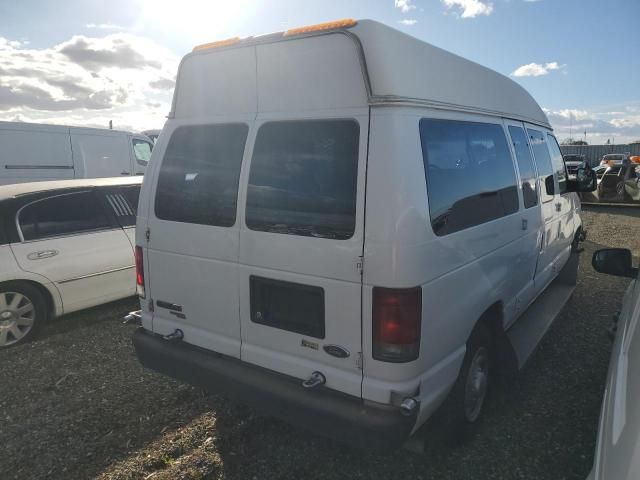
(468,396)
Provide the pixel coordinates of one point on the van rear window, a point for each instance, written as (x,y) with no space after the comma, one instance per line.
(303,178)
(470,174)
(198,181)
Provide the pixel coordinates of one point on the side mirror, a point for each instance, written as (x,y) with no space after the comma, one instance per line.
(614,261)
(586,181)
(550,185)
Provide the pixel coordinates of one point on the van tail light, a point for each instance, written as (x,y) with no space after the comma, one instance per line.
(397,318)
(139,272)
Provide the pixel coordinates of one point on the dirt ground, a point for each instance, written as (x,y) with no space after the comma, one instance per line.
(76,404)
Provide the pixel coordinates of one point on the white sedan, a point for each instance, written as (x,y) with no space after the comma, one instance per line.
(618,446)
(64,246)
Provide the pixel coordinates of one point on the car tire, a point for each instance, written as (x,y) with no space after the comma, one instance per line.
(464,406)
(22,313)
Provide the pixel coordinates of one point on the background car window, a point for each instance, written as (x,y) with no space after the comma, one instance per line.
(470,174)
(198,181)
(124,204)
(303,178)
(543,161)
(62,215)
(142,151)
(558,164)
(525,166)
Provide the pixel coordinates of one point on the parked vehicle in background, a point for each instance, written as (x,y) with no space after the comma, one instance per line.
(263,275)
(613,159)
(617,182)
(64,246)
(574,161)
(618,444)
(31,152)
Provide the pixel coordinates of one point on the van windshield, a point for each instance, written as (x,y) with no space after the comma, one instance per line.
(303,178)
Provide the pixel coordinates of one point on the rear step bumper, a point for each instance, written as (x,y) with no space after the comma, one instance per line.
(323,411)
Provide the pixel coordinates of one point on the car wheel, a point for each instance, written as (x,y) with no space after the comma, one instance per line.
(22,313)
(470,390)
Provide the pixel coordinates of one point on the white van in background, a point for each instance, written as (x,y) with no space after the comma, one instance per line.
(349,226)
(31,152)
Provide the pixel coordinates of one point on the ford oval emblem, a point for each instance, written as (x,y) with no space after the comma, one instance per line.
(336,351)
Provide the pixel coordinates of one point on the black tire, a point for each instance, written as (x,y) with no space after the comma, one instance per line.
(30,294)
(458,417)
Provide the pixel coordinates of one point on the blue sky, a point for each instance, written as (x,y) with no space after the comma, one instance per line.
(97,60)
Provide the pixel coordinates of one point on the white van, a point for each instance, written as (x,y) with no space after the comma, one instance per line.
(343,225)
(32,152)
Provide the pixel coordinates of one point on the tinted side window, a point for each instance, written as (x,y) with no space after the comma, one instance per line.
(303,178)
(543,161)
(124,204)
(198,180)
(142,151)
(558,163)
(470,174)
(62,215)
(525,165)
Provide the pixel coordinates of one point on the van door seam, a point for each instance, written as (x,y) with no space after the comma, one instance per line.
(364,230)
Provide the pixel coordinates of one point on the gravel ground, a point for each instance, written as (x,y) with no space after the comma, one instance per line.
(76,404)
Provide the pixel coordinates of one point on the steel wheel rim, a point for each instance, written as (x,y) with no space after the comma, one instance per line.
(17,317)
(476,386)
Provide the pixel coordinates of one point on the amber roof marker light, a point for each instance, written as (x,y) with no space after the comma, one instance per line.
(217,44)
(318,27)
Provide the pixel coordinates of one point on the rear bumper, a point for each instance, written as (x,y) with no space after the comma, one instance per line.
(323,411)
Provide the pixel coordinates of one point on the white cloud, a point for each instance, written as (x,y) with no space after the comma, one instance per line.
(470,8)
(87,81)
(536,69)
(405,6)
(104,26)
(600,124)
(409,21)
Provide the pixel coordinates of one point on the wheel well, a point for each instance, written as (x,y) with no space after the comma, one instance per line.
(504,356)
(46,294)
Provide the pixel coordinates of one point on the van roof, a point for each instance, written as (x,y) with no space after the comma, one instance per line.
(18,189)
(49,127)
(396,69)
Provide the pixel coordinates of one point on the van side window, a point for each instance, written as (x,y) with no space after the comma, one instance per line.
(65,214)
(470,174)
(558,163)
(525,165)
(543,161)
(198,180)
(303,178)
(142,151)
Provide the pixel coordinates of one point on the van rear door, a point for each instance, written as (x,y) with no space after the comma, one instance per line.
(301,241)
(192,248)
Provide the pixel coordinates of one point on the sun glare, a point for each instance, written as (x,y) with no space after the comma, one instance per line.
(199,19)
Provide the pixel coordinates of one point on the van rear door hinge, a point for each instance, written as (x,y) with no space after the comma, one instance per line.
(147,234)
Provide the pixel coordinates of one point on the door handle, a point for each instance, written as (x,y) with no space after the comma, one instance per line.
(124,173)
(42,254)
(525,224)
(558,207)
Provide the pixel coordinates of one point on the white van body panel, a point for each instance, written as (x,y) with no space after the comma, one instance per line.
(100,153)
(329,264)
(32,152)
